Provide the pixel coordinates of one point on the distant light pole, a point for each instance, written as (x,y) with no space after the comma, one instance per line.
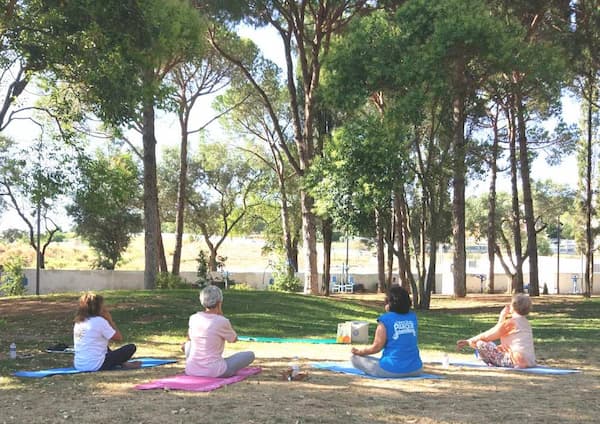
(558,228)
(347,267)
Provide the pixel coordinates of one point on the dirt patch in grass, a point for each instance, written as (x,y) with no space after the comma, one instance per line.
(463,395)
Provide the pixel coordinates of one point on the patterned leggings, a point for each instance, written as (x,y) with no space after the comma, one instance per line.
(489,353)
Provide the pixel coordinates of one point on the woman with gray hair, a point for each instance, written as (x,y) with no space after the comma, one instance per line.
(208,330)
(514,332)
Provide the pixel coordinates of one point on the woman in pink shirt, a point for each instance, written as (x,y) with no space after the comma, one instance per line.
(516,338)
(207,333)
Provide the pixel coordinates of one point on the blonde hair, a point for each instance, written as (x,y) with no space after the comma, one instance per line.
(90,305)
(521,303)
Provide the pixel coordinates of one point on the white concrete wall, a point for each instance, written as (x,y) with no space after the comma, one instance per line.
(60,281)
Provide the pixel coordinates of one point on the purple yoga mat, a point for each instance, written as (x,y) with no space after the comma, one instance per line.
(197,384)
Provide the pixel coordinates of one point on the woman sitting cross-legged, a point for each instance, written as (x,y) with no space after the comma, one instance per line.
(396,335)
(207,333)
(514,332)
(93,330)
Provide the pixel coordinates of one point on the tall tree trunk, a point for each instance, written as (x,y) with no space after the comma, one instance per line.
(389,242)
(151,220)
(534,286)
(517,285)
(162,258)
(458,198)
(290,251)
(327,229)
(432,232)
(589,234)
(181,198)
(491,221)
(430,278)
(400,235)
(380,243)
(309,233)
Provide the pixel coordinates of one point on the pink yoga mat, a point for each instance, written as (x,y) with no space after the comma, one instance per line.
(197,384)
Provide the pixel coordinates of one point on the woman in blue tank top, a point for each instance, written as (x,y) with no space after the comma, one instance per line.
(396,335)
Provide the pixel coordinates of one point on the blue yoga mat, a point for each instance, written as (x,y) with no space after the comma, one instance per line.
(533,370)
(347,368)
(146,363)
(284,340)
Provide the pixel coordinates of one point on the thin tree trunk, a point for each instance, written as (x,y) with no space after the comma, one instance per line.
(430,278)
(162,258)
(327,242)
(589,235)
(491,223)
(380,243)
(181,198)
(389,242)
(291,255)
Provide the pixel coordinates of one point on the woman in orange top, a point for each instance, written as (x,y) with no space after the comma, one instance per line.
(516,338)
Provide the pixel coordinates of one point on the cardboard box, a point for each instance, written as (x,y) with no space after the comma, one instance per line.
(353,332)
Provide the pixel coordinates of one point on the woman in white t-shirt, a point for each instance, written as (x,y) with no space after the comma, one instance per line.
(207,333)
(93,330)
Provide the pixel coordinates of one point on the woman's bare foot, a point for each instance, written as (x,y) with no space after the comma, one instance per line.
(132,365)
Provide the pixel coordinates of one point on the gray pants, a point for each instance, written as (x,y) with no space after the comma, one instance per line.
(237,361)
(370,366)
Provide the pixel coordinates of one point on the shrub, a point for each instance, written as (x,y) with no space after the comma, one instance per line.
(241,286)
(12,235)
(13,280)
(165,280)
(202,270)
(283,281)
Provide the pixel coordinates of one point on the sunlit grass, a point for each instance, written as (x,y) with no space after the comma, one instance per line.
(157,321)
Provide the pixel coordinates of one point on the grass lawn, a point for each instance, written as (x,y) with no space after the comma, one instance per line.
(565,331)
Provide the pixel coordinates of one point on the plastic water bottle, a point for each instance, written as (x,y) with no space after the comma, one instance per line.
(445,361)
(295,368)
(12,351)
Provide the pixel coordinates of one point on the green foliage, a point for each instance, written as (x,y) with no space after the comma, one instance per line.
(165,280)
(361,167)
(543,245)
(110,48)
(105,206)
(34,179)
(202,270)
(241,286)
(283,280)
(220,183)
(13,235)
(12,278)
(59,237)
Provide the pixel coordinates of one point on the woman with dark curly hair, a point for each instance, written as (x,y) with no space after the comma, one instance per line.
(396,335)
(93,330)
